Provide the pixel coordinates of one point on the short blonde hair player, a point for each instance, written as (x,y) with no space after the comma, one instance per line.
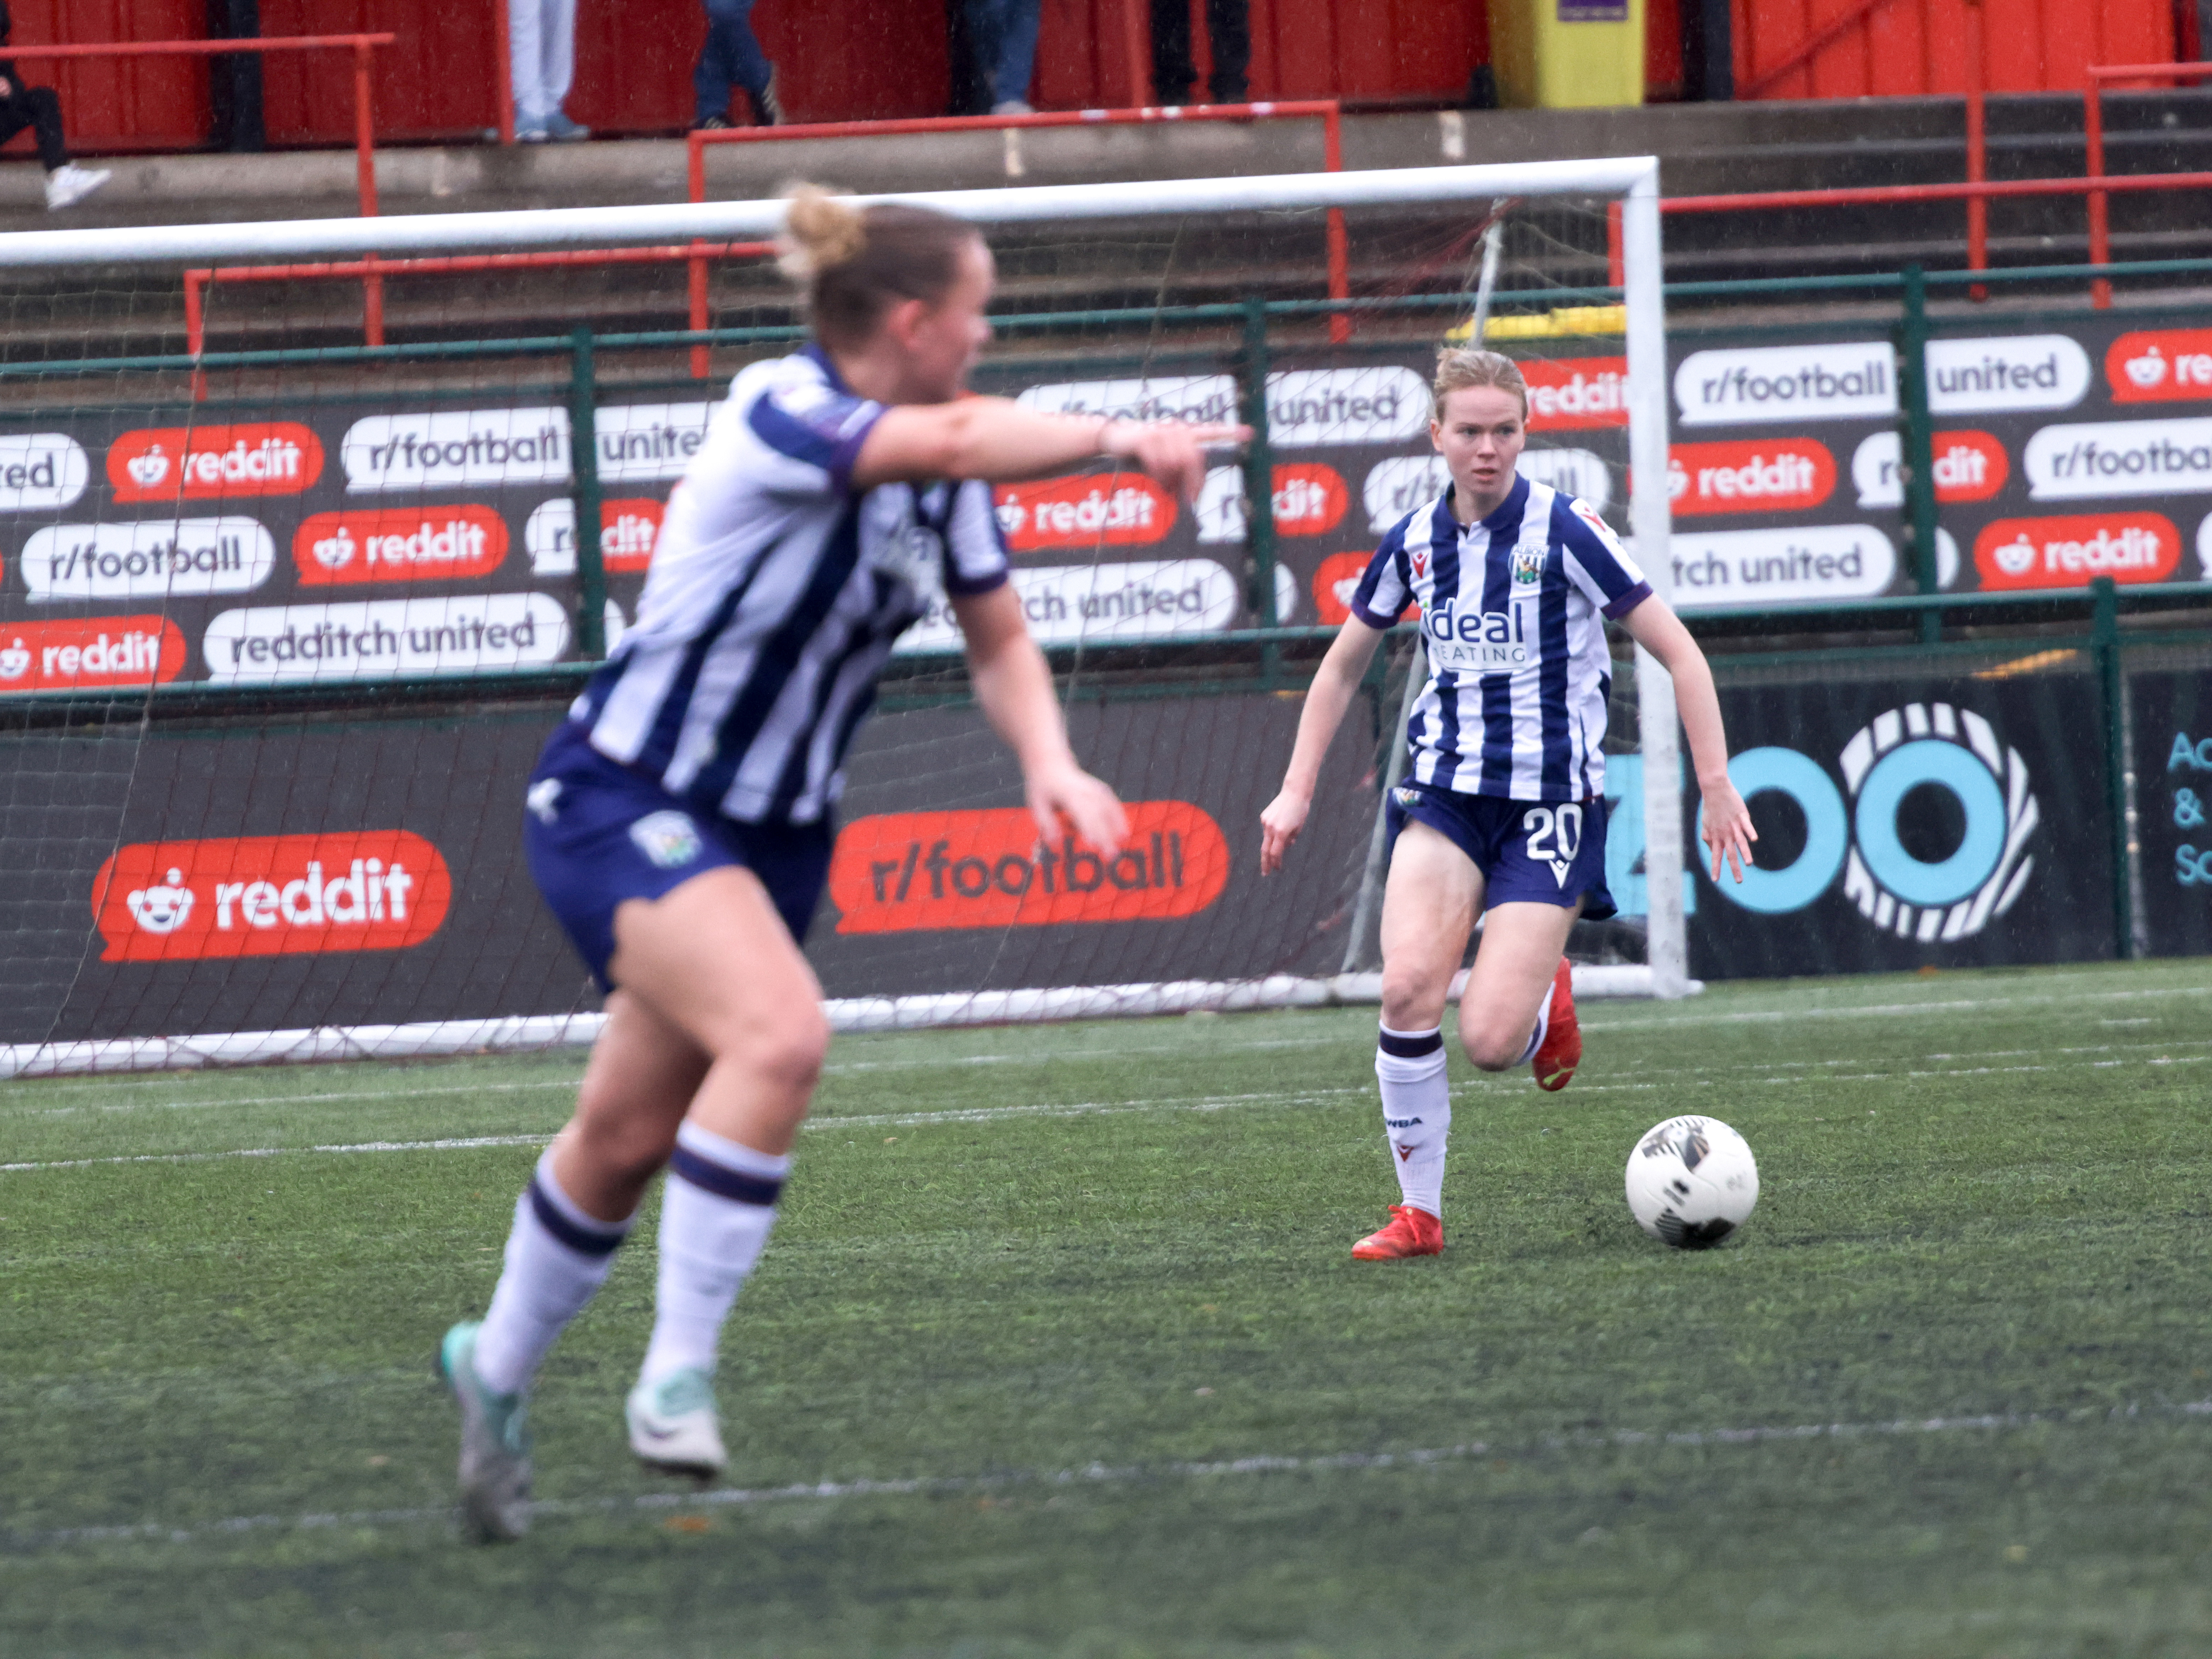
(1501,813)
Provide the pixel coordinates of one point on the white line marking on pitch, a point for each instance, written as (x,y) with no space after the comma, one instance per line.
(293,1100)
(465,1144)
(1094,1109)
(1671,1073)
(1105,1474)
(1891,1010)
(471,1143)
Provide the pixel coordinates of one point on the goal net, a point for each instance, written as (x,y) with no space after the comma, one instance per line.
(311,529)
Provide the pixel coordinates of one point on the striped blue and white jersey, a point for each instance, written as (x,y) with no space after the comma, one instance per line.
(773,598)
(1513,610)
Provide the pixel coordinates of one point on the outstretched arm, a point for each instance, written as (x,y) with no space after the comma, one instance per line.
(996,439)
(1727,832)
(1014,687)
(1327,699)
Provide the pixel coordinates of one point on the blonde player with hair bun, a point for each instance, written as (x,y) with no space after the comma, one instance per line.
(1501,813)
(679,822)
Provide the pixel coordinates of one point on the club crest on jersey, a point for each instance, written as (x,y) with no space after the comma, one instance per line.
(670,840)
(913,553)
(1529,564)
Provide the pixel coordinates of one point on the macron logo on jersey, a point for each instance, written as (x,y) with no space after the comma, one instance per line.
(1479,642)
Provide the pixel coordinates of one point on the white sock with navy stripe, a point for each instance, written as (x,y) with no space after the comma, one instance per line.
(1543,1028)
(714,1220)
(1416,1111)
(557,1257)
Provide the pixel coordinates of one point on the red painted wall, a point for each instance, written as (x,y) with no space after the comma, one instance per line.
(1909,46)
(140,104)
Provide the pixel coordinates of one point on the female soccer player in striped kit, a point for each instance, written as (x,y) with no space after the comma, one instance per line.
(679,823)
(1502,809)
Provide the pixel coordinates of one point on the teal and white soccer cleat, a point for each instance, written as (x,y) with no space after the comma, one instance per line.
(494,1442)
(673,1424)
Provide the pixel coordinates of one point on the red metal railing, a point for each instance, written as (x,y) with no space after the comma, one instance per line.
(1970,192)
(1977,192)
(503,71)
(373,269)
(1326,111)
(2092,131)
(364,119)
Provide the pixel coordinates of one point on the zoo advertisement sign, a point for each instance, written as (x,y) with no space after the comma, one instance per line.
(1910,822)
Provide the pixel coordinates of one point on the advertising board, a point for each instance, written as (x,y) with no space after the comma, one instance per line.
(288,873)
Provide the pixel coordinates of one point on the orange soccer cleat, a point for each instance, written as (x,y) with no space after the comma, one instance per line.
(1561,1050)
(1411,1232)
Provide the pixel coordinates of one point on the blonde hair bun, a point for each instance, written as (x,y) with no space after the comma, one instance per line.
(820,231)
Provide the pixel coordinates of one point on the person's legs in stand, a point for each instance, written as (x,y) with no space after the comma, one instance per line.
(560,70)
(1173,72)
(39,108)
(986,30)
(526,62)
(1017,59)
(714,76)
(732,57)
(1229,34)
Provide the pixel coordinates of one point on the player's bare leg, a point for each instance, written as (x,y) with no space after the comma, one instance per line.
(1518,1007)
(637,1087)
(567,1225)
(715,963)
(1429,906)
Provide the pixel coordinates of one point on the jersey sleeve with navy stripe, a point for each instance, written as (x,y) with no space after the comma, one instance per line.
(1594,560)
(1387,587)
(807,431)
(774,598)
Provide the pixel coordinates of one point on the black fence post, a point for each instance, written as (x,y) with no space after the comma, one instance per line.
(2111,686)
(1917,445)
(584,444)
(1259,478)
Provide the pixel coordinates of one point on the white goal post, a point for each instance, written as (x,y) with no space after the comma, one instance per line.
(1633,181)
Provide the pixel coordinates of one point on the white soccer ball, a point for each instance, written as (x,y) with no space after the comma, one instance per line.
(1692,1182)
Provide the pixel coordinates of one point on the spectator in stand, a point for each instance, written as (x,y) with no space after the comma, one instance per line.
(1004,34)
(1228,30)
(39,108)
(732,58)
(540,49)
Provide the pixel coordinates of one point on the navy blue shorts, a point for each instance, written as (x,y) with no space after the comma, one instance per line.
(1529,852)
(597,833)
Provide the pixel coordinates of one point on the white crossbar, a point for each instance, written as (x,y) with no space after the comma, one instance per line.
(677,222)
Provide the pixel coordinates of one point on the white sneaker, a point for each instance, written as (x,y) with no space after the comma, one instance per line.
(1012,106)
(673,1424)
(67,184)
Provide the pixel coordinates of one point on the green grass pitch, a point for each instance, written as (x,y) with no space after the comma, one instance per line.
(1059,1350)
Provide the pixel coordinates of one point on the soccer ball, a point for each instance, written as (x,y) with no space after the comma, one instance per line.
(1692,1182)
